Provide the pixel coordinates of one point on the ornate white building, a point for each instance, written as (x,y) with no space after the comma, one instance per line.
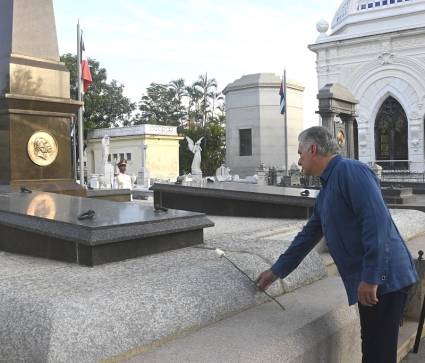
(376,50)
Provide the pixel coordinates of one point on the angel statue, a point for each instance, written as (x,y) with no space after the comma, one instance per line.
(196,149)
(105,149)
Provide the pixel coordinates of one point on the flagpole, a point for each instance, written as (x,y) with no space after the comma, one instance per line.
(74,145)
(285,121)
(80,110)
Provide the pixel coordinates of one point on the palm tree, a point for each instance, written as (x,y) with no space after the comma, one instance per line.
(195,96)
(207,88)
(217,102)
(178,89)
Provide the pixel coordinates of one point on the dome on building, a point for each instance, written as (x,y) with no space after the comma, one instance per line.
(384,14)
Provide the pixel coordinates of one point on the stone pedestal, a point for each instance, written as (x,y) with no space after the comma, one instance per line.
(337,111)
(35,104)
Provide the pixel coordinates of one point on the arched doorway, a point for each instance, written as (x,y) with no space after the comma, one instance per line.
(391,135)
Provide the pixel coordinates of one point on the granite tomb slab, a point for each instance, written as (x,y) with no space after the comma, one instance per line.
(47,225)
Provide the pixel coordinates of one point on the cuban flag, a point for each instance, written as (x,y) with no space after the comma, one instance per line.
(282,99)
(85,69)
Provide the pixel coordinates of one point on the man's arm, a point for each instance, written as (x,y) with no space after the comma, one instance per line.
(303,243)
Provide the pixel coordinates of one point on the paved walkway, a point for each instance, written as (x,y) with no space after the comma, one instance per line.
(416,358)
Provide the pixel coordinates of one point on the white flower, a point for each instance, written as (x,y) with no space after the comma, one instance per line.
(219,252)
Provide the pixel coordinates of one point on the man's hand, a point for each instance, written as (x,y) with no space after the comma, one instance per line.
(265,279)
(366,294)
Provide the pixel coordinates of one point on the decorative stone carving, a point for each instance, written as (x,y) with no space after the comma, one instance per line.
(415,136)
(386,58)
(160,130)
(223,173)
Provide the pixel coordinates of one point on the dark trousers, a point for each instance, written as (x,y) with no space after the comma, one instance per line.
(379,327)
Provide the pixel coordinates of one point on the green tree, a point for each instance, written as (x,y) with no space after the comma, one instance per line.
(163,104)
(213,147)
(178,89)
(197,110)
(104,103)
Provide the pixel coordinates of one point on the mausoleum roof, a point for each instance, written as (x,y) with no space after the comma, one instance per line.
(365,16)
(145,129)
(260,80)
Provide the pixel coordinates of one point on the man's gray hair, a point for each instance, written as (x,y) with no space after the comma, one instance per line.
(320,136)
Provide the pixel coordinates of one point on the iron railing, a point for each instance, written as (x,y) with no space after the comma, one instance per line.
(393,171)
(400,171)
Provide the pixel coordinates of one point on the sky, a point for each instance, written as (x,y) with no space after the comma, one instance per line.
(145,41)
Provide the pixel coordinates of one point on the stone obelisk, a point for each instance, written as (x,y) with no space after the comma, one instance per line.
(35,103)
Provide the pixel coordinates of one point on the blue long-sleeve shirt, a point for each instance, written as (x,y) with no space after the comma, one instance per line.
(360,233)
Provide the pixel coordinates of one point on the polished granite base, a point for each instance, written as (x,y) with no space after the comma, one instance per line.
(49,225)
(115,195)
(236,199)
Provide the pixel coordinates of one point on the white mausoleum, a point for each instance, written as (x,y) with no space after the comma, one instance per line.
(148,149)
(254,125)
(376,50)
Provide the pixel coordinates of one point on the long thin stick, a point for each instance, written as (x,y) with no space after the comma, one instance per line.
(250,279)
(422,316)
(420,329)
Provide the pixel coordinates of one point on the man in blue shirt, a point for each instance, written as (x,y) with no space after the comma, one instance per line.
(371,256)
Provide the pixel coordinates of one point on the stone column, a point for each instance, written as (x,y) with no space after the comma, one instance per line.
(416,140)
(143,175)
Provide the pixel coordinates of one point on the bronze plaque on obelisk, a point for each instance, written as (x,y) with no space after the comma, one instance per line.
(42,148)
(35,103)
